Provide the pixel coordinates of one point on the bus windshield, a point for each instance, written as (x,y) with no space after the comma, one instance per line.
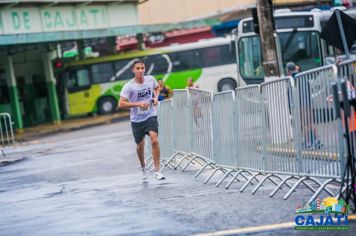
(301,47)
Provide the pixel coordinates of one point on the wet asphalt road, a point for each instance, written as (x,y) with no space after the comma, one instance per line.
(86,183)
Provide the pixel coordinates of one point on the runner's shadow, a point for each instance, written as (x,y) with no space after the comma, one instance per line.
(145,183)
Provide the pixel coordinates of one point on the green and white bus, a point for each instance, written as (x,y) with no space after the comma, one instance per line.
(299,41)
(94,85)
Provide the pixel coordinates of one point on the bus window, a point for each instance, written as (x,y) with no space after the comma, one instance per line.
(220,55)
(250,58)
(102,73)
(123,70)
(211,56)
(228,53)
(185,60)
(302,48)
(157,64)
(78,80)
(83,77)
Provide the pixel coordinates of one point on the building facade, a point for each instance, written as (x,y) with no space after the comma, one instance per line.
(166,11)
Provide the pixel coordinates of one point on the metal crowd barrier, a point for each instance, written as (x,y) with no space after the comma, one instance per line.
(224,133)
(302,135)
(165,134)
(347,72)
(201,123)
(225,149)
(317,142)
(201,103)
(276,146)
(165,129)
(6,131)
(281,130)
(249,128)
(182,140)
(319,128)
(200,118)
(181,121)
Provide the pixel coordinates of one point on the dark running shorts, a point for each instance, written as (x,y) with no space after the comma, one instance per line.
(140,129)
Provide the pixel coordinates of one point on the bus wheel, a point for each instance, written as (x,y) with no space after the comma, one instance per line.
(226,84)
(106,105)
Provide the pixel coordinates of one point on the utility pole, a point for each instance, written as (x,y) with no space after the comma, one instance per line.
(268,41)
(140,42)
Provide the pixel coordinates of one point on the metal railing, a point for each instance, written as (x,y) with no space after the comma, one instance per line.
(284,131)
(225,148)
(201,123)
(181,122)
(165,129)
(319,129)
(249,128)
(6,131)
(165,134)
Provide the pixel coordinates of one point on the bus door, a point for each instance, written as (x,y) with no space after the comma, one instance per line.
(79,97)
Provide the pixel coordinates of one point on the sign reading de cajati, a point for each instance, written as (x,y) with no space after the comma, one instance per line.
(65,18)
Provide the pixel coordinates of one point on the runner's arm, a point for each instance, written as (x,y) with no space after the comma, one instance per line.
(124,103)
(156,92)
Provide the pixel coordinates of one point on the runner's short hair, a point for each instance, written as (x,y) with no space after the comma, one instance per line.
(137,61)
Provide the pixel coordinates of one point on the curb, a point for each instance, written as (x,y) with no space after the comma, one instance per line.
(69,125)
(13,161)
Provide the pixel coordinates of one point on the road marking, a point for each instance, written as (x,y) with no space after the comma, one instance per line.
(256,229)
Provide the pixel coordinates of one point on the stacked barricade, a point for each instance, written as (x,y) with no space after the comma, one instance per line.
(279,131)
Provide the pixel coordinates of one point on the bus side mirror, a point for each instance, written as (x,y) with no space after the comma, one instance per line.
(235,33)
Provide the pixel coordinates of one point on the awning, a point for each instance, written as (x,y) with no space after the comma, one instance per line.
(43,37)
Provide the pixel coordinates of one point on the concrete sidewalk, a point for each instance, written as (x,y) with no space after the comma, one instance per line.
(68,125)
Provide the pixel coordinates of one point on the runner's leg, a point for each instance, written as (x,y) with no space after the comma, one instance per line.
(140,149)
(155,150)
